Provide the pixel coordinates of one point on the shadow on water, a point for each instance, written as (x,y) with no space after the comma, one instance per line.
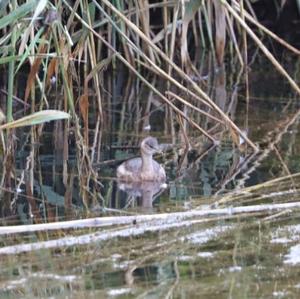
(223,256)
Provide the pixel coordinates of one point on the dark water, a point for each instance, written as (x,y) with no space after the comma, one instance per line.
(231,256)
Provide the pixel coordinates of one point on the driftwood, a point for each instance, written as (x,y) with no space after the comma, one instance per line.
(134,225)
(138,219)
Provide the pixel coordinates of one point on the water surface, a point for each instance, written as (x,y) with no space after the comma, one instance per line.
(249,255)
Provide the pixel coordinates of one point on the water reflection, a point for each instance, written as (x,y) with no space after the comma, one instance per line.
(144,193)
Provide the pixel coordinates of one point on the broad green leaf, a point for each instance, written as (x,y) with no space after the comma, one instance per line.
(36,118)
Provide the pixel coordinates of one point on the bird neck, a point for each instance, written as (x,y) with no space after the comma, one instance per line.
(147,164)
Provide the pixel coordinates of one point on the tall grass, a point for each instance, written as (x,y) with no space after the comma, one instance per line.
(67,46)
(71,41)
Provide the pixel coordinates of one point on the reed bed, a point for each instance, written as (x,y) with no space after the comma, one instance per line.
(67,48)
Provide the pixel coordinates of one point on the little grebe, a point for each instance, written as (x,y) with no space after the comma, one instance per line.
(143,168)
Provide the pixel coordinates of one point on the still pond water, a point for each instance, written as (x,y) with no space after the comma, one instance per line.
(248,255)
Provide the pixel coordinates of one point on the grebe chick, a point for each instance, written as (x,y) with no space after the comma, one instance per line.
(143,168)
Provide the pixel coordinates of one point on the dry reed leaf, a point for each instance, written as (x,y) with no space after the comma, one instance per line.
(220,38)
(31,77)
(41,5)
(34,69)
(235,137)
(84,105)
(52,70)
(190,9)
(24,40)
(254,21)
(238,140)
(2,117)
(165,32)
(36,118)
(158,51)
(65,52)
(260,44)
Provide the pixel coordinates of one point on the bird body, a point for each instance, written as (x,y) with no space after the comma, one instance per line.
(143,168)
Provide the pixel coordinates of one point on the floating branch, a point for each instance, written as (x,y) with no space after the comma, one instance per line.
(138,225)
(139,219)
